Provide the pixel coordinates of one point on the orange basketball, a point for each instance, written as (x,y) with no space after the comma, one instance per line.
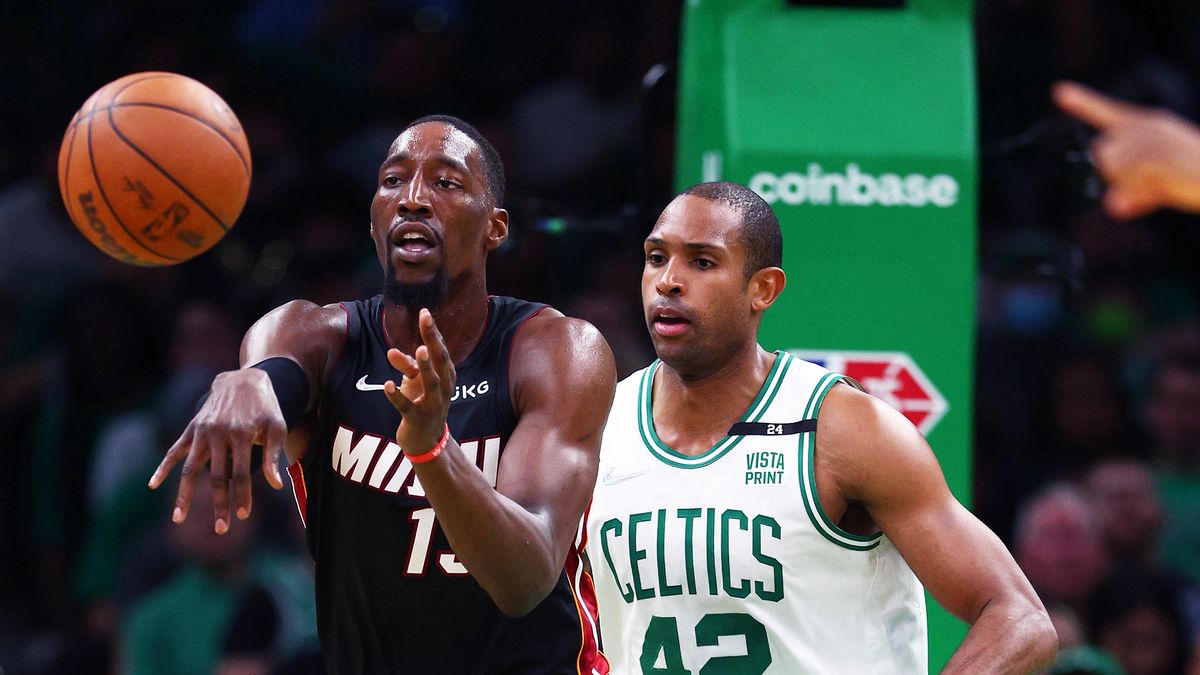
(154,168)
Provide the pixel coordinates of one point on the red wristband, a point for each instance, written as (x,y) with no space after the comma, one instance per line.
(432,454)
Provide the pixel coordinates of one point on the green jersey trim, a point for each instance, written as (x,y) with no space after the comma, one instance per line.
(808,481)
(666,454)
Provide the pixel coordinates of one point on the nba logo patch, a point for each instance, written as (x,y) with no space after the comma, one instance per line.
(891,376)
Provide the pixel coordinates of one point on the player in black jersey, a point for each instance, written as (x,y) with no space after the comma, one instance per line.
(442,513)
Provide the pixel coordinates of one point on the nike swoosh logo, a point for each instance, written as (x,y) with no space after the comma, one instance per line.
(362,385)
(612,479)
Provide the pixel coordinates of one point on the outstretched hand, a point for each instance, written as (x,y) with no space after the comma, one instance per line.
(1149,157)
(423,395)
(241,412)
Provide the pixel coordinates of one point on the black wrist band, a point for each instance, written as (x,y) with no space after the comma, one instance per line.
(290,385)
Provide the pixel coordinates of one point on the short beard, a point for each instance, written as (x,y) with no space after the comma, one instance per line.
(428,295)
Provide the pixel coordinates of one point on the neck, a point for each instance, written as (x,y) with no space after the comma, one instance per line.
(691,414)
(460,320)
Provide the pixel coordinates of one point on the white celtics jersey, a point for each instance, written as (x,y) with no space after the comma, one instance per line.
(725,562)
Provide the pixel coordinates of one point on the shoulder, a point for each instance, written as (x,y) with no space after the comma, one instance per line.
(306,332)
(549,332)
(865,443)
(306,321)
(553,352)
(306,316)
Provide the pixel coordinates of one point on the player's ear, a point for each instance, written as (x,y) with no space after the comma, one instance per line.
(764,288)
(497,229)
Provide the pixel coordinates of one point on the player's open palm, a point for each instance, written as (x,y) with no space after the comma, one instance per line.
(423,395)
(240,412)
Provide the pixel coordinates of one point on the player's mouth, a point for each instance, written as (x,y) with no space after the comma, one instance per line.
(413,241)
(669,322)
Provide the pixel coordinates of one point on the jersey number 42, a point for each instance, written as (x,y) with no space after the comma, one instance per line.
(661,654)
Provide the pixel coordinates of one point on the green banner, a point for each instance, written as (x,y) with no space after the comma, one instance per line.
(858,126)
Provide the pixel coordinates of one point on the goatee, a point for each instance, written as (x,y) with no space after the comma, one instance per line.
(428,294)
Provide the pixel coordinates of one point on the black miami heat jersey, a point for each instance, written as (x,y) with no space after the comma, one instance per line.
(391,596)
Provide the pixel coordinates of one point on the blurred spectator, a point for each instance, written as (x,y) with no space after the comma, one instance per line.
(1122,495)
(1058,545)
(574,137)
(106,364)
(181,626)
(1173,421)
(1068,626)
(1171,414)
(1087,417)
(250,635)
(1085,660)
(1133,614)
(43,256)
(204,341)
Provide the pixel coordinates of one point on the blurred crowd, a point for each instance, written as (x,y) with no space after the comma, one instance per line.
(1087,396)
(1088,374)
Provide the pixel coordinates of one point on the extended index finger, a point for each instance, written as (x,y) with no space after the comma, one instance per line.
(439,355)
(178,451)
(1091,106)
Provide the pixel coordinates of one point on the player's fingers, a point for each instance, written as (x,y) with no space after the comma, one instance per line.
(402,362)
(430,378)
(271,465)
(192,466)
(242,494)
(435,344)
(1124,204)
(398,400)
(1090,105)
(1106,157)
(177,451)
(219,477)
(274,438)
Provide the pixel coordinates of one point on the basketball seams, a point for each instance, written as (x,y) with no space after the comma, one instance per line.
(104,196)
(113,123)
(65,170)
(201,120)
(97,96)
(114,103)
(127,85)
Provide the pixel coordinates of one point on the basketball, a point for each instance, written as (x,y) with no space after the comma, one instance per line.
(154,168)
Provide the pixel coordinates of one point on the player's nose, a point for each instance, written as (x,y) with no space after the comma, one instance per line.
(670,279)
(414,198)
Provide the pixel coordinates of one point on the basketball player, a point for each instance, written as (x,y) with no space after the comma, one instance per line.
(439,512)
(755,513)
(1149,157)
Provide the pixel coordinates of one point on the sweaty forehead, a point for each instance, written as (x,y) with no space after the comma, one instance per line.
(434,139)
(692,219)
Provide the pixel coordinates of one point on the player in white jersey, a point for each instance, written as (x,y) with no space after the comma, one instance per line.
(753,514)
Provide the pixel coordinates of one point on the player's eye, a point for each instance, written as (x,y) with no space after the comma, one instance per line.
(447,184)
(704,263)
(391,181)
(655,258)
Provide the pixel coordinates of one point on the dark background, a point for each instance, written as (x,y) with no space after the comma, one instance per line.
(1088,374)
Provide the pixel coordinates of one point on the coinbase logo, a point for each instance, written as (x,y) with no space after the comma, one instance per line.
(854,187)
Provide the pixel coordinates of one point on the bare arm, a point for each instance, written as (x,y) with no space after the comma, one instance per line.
(242,409)
(868,454)
(1149,157)
(514,538)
